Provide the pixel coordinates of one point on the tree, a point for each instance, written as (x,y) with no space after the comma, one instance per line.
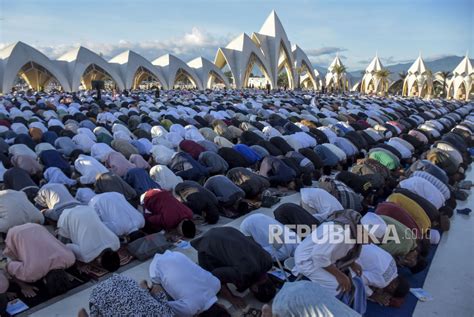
(339,70)
(228,74)
(402,75)
(282,79)
(300,71)
(382,75)
(445,76)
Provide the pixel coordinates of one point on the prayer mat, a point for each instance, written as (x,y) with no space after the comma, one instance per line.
(42,294)
(252,312)
(408,306)
(125,256)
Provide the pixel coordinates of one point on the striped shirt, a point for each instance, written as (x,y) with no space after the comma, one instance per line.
(435,181)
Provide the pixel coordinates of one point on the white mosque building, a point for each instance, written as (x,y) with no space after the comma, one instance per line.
(461,85)
(374,81)
(337,79)
(419,80)
(269,51)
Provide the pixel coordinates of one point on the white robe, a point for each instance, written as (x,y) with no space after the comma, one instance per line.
(164,177)
(89,236)
(116,213)
(311,258)
(193,289)
(259,227)
(425,189)
(319,202)
(89,168)
(378,267)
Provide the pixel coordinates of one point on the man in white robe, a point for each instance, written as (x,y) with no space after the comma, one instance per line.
(193,289)
(117,214)
(260,227)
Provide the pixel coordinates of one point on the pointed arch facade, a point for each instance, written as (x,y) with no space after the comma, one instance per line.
(207,72)
(173,67)
(134,68)
(82,66)
(34,67)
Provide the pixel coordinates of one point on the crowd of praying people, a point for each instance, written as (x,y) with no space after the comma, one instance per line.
(83,177)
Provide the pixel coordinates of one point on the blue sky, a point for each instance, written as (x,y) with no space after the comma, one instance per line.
(397,30)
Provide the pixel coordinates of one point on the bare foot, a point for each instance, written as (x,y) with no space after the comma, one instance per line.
(82,313)
(11,296)
(266,311)
(238,302)
(28,290)
(144,285)
(155,289)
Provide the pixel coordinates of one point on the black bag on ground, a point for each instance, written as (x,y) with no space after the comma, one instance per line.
(146,247)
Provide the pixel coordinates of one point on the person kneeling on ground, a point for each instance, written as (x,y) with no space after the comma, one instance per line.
(164,212)
(193,289)
(228,194)
(306,299)
(16,209)
(260,227)
(405,249)
(379,274)
(36,255)
(121,296)
(91,240)
(56,198)
(201,201)
(278,173)
(234,258)
(326,262)
(118,215)
(251,183)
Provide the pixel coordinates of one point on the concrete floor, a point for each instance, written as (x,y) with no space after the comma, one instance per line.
(450,279)
(70,303)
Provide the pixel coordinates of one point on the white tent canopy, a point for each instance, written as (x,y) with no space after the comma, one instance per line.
(240,55)
(273,42)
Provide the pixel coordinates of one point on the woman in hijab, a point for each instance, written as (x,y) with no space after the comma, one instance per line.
(121,296)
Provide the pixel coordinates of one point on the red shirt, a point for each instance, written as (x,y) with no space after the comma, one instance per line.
(163,210)
(192,148)
(398,213)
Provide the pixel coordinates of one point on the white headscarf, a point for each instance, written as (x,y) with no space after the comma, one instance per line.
(55,175)
(164,177)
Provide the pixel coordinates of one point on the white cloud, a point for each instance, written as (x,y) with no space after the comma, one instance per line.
(324,51)
(192,44)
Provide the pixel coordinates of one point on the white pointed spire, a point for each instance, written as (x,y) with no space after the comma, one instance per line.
(336,61)
(272,25)
(375,65)
(464,68)
(418,67)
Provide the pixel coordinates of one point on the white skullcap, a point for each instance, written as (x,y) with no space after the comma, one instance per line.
(434,236)
(142,198)
(370,219)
